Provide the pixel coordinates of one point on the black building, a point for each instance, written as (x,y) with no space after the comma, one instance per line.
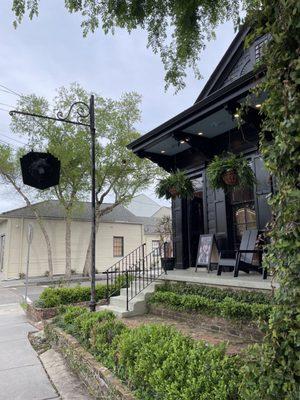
(191,139)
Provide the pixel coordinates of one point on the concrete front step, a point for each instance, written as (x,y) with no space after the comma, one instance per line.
(137,305)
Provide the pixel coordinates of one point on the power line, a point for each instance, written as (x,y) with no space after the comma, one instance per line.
(16,140)
(2,109)
(8,105)
(10,90)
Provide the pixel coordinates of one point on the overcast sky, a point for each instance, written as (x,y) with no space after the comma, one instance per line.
(49,51)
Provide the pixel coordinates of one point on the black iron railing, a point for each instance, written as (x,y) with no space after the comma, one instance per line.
(135,272)
(115,275)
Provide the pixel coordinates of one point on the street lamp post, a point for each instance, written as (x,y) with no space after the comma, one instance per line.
(83,111)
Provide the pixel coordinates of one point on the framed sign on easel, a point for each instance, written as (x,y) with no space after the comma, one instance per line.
(208,251)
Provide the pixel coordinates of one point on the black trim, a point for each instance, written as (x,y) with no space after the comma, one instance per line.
(210,104)
(227,62)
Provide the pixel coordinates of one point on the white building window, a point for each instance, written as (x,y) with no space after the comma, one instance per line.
(118,246)
(155,246)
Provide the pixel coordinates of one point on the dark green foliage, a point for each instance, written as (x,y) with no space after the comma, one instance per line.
(177,181)
(226,307)
(102,336)
(155,361)
(177,30)
(80,323)
(160,363)
(216,293)
(53,297)
(273,371)
(220,164)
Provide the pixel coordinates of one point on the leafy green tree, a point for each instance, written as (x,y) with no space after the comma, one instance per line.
(10,174)
(119,173)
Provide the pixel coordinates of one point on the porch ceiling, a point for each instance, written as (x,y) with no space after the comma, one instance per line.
(209,126)
(213,125)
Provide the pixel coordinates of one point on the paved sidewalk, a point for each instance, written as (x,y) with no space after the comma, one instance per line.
(68,385)
(22,377)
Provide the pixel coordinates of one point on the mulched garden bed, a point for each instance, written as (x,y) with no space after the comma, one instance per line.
(195,330)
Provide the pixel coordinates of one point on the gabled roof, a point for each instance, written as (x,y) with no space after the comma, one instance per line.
(52,209)
(233,53)
(236,62)
(142,206)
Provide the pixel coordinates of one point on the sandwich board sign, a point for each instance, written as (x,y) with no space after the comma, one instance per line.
(207,251)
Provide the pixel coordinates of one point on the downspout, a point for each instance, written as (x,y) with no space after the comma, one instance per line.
(21,250)
(8,247)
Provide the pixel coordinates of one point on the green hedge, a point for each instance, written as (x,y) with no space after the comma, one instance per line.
(54,297)
(217,294)
(155,361)
(227,308)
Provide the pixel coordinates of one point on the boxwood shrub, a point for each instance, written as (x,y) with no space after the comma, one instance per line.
(227,307)
(156,361)
(216,293)
(57,296)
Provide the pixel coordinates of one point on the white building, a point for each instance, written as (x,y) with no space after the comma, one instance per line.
(120,232)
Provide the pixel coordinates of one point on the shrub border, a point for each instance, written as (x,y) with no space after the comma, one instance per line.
(38,314)
(99,381)
(240,329)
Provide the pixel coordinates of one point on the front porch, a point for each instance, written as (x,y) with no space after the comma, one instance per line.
(249,281)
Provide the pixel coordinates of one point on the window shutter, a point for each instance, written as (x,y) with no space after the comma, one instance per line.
(179,232)
(216,212)
(263,190)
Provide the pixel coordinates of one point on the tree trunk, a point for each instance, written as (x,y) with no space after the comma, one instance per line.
(87,264)
(39,220)
(68,248)
(88,260)
(48,244)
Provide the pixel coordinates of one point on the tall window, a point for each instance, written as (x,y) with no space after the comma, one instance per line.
(243,213)
(118,246)
(155,246)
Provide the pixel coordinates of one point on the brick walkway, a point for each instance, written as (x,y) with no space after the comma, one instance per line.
(235,344)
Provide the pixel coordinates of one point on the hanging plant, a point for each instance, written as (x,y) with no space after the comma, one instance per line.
(175,185)
(229,171)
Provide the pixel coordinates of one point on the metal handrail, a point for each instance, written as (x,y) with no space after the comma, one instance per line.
(152,270)
(127,255)
(135,272)
(115,274)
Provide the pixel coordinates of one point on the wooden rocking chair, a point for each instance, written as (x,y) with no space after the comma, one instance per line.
(242,259)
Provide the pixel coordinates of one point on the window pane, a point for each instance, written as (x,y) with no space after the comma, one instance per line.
(155,246)
(244,217)
(118,246)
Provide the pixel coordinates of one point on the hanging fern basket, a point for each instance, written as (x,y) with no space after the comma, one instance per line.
(175,185)
(230,177)
(230,171)
(173,192)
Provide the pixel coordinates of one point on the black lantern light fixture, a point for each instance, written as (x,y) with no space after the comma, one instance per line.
(40,170)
